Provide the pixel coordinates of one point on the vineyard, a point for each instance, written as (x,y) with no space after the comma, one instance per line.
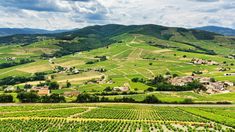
(115,118)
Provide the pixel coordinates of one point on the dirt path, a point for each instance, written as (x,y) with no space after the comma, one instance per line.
(78,114)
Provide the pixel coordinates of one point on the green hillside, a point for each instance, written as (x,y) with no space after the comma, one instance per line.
(112,55)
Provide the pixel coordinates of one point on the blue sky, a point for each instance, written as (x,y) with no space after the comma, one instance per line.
(68,14)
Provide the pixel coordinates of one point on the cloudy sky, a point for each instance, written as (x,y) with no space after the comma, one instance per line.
(68,14)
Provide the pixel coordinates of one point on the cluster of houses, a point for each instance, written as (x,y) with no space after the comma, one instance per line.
(222,69)
(203,62)
(72,70)
(231,56)
(210,84)
(9,58)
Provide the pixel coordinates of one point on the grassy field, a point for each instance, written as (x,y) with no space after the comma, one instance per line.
(115,117)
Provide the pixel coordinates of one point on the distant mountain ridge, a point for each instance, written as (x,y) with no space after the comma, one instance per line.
(14,31)
(219,30)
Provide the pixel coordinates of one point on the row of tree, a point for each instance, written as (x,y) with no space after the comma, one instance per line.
(15,63)
(32,97)
(12,80)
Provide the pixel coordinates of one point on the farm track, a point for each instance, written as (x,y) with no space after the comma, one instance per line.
(78,114)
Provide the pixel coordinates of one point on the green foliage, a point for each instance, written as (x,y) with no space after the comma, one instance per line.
(28,97)
(5,98)
(151,99)
(84,97)
(53,98)
(15,63)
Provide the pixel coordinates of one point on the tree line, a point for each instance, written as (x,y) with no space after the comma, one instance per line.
(15,63)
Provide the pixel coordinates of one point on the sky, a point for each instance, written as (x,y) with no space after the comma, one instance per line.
(69,14)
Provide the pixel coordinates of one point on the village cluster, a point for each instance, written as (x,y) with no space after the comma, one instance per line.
(210,84)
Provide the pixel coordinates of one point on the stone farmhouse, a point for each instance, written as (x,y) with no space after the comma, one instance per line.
(41,90)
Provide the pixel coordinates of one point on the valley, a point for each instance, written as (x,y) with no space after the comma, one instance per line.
(131,56)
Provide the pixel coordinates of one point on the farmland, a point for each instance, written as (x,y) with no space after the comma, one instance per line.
(126,60)
(115,117)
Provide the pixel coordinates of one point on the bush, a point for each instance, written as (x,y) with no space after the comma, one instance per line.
(5,98)
(135,79)
(150,89)
(151,99)
(84,97)
(187,101)
(28,97)
(54,98)
(108,89)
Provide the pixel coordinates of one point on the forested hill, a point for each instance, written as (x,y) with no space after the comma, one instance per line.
(92,37)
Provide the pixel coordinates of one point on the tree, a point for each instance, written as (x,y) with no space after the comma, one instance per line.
(28,97)
(150,63)
(136,79)
(53,85)
(151,99)
(212,79)
(184,56)
(27,86)
(150,89)
(5,98)
(54,98)
(175,75)
(108,89)
(84,97)
(158,79)
(194,85)
(68,84)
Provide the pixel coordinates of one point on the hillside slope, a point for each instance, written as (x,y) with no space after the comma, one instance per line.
(219,30)
(93,37)
(14,31)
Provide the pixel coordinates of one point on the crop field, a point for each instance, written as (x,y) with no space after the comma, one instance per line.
(116,118)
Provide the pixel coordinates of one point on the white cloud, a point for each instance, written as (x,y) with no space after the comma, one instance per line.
(61,14)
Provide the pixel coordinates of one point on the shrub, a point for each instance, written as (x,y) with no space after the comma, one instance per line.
(5,98)
(151,99)
(28,97)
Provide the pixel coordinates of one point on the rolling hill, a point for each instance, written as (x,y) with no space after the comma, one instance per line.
(14,31)
(100,36)
(96,57)
(219,30)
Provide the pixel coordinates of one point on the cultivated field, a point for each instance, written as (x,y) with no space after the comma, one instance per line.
(116,117)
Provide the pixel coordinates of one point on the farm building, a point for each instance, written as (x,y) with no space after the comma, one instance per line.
(10,88)
(121,89)
(41,90)
(229,74)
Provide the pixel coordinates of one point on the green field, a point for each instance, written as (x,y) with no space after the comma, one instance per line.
(116,117)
